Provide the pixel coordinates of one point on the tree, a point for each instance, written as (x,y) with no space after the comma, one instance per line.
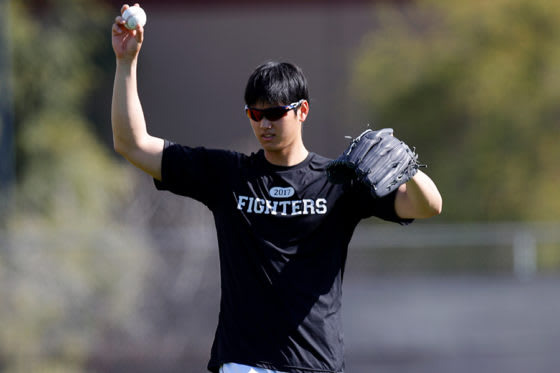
(69,267)
(474,86)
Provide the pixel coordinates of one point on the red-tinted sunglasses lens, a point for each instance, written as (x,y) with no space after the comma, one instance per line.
(271,114)
(255,114)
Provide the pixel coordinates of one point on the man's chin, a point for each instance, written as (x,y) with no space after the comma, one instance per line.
(270,147)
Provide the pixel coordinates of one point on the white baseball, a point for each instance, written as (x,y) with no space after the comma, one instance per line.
(134,16)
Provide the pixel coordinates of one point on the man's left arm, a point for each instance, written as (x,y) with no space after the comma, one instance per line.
(418,198)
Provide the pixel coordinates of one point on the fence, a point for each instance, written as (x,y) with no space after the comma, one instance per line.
(510,246)
(521,239)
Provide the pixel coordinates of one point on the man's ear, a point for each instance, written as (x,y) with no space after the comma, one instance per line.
(303,111)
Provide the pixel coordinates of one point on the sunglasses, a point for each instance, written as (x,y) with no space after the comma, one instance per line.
(272,113)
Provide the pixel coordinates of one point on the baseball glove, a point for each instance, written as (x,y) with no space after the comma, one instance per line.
(377,159)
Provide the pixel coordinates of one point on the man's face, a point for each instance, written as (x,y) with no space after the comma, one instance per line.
(280,135)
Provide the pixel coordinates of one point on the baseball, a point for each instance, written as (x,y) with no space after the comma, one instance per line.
(134,16)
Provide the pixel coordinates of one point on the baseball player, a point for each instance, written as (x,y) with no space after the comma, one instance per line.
(283,224)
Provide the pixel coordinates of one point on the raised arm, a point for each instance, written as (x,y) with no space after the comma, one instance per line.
(130,136)
(418,198)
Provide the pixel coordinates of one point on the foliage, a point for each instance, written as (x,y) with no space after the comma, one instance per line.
(55,70)
(67,270)
(475,87)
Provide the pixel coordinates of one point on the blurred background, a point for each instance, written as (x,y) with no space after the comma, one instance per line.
(101,273)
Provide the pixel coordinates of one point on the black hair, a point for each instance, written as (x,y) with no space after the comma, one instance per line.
(276,83)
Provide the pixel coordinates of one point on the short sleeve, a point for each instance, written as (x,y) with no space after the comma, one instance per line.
(195,172)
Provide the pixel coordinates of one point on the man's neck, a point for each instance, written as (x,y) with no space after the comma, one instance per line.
(286,159)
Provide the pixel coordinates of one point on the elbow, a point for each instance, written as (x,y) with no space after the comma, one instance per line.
(431,209)
(435,208)
(434,204)
(116,147)
(428,213)
(120,147)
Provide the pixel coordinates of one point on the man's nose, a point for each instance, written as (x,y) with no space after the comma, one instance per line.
(265,123)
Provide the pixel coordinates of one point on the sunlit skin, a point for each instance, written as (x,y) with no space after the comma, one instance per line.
(281,139)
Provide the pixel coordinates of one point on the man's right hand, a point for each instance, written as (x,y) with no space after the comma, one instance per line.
(126,43)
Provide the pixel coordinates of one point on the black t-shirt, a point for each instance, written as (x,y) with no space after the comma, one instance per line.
(283,234)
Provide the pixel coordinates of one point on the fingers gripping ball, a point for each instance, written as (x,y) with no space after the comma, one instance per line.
(134,16)
(376,159)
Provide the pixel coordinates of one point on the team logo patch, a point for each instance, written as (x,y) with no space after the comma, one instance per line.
(279,192)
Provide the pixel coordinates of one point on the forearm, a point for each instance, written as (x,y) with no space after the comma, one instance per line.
(127,117)
(418,198)
(130,135)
